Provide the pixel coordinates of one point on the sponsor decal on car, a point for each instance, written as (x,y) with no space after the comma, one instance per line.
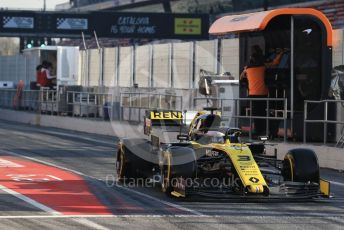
(166,115)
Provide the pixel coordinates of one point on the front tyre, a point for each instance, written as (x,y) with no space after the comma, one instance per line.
(179,164)
(166,174)
(123,167)
(301,165)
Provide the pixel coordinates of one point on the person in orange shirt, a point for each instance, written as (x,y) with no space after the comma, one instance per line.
(39,78)
(254,72)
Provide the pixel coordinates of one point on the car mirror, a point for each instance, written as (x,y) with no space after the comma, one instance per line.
(204,86)
(263,138)
(183,137)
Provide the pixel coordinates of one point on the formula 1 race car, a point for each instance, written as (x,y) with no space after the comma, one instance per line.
(212,161)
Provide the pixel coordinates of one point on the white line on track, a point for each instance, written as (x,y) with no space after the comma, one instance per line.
(76,217)
(44,162)
(194,212)
(82,221)
(336,183)
(90,224)
(30,201)
(56,178)
(103,216)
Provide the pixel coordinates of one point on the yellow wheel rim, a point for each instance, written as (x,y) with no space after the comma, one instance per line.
(167,178)
(120,160)
(291,168)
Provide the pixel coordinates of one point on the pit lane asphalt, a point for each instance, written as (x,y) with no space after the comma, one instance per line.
(93,157)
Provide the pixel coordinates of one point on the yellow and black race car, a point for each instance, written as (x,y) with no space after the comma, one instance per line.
(212,161)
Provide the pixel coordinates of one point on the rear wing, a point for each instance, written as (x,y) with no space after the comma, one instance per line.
(162,118)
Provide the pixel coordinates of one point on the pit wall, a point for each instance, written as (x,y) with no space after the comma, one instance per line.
(114,128)
(329,157)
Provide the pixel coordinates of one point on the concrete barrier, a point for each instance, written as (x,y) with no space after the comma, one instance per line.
(329,157)
(114,128)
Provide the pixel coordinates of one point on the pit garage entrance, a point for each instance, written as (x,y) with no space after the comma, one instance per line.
(304,36)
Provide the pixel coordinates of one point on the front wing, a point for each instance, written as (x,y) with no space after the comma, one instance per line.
(288,190)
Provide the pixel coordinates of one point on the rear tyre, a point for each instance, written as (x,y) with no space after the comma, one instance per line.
(301,165)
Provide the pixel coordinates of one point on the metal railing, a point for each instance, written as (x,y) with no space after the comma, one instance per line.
(137,101)
(277,114)
(46,101)
(324,121)
(107,106)
(87,104)
(25,100)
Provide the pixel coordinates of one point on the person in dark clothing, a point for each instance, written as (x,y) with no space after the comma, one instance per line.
(254,72)
(44,77)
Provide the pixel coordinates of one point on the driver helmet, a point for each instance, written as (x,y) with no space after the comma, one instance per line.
(215,137)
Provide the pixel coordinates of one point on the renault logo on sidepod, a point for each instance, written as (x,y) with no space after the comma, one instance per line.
(254,179)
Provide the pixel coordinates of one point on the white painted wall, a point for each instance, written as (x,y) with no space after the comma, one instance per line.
(94,67)
(182,74)
(162,65)
(13,68)
(230,56)
(110,66)
(125,77)
(142,65)
(205,57)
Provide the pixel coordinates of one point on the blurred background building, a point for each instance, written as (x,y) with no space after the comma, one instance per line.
(333,9)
